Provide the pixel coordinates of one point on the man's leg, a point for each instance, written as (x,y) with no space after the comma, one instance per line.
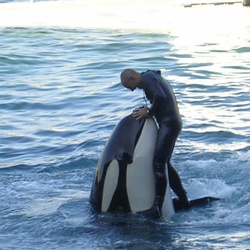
(162,151)
(160,189)
(160,184)
(177,187)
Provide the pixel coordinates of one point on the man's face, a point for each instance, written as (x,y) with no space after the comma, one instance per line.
(129,83)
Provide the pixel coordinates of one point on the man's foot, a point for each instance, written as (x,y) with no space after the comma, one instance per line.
(154,212)
(181,204)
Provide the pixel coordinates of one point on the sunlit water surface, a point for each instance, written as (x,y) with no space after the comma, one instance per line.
(61,98)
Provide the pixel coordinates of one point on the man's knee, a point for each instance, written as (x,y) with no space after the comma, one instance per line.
(159,169)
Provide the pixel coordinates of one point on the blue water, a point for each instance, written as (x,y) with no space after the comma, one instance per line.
(60,99)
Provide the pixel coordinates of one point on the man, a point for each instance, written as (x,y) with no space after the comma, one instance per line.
(165,110)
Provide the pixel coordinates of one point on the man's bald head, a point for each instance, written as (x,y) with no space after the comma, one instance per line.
(130,79)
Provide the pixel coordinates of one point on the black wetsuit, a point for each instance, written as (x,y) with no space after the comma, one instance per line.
(166,112)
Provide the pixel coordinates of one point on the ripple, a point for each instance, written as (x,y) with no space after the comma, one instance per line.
(60,101)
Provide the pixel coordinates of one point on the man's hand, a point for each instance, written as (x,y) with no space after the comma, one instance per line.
(140,112)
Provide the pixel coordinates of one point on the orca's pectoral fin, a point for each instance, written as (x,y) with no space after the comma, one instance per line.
(203,201)
(178,205)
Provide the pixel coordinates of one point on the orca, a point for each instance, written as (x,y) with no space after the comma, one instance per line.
(124,180)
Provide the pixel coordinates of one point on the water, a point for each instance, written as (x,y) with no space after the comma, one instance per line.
(60,100)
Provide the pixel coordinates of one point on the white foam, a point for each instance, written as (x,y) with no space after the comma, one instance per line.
(210,187)
(244,156)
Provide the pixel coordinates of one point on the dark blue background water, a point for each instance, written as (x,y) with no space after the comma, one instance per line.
(59,102)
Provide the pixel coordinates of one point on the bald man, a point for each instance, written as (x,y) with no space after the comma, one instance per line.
(166,112)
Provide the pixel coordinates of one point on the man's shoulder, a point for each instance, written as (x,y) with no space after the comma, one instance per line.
(151,72)
(150,75)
